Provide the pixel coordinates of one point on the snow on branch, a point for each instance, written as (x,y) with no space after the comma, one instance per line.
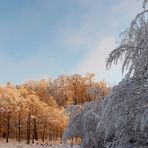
(133,48)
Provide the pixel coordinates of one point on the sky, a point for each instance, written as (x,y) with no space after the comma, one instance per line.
(47,38)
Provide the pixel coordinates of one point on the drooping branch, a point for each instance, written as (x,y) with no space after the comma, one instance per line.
(133,48)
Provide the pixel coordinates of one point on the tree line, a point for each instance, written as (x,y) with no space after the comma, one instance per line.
(35,110)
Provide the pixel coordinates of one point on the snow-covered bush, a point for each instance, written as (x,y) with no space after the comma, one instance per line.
(84,124)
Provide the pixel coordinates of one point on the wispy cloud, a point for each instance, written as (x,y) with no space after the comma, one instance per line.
(40,38)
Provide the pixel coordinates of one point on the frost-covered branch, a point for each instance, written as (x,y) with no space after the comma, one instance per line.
(133,48)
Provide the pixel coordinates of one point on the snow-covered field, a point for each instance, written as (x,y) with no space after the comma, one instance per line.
(2,145)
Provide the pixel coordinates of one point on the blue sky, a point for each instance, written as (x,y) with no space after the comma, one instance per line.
(46,38)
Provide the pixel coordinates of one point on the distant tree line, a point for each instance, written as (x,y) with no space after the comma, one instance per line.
(36,110)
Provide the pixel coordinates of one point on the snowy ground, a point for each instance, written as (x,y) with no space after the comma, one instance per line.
(13,144)
(2,145)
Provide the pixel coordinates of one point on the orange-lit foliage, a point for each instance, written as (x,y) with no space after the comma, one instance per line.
(35,110)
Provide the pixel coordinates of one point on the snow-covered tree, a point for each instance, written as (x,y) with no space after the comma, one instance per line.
(124,118)
(98,90)
(122,121)
(133,48)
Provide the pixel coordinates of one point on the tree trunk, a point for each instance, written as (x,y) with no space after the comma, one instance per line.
(43,136)
(75,98)
(32,137)
(8,129)
(35,130)
(52,139)
(61,135)
(19,129)
(71,142)
(28,128)
(34,134)
(16,136)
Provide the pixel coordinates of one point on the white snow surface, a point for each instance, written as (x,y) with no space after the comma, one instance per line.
(12,145)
